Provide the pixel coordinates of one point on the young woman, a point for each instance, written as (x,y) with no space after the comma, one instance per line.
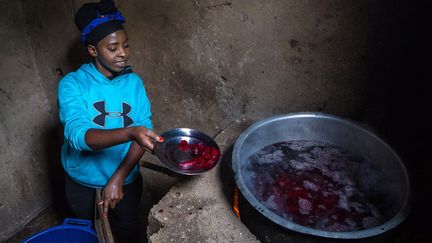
(107,123)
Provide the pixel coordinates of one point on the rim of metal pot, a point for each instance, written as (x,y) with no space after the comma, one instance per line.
(389,224)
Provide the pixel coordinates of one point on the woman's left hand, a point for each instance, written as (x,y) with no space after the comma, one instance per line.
(112,194)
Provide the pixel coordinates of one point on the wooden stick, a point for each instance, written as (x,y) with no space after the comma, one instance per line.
(101,222)
(99,231)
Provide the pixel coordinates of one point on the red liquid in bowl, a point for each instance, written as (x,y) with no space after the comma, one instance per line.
(204,157)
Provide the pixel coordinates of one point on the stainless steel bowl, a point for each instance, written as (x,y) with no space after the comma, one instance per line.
(170,155)
(392,184)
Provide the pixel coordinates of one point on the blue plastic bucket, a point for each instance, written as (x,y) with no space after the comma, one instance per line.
(71,231)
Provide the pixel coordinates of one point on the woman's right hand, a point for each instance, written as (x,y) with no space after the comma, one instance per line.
(145,137)
(111,194)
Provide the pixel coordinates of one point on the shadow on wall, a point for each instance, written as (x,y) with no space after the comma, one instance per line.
(54,141)
(226,174)
(77,55)
(398,99)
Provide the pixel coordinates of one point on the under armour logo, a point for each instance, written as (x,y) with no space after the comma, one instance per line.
(100,119)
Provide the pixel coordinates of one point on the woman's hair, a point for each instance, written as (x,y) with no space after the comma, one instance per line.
(97,20)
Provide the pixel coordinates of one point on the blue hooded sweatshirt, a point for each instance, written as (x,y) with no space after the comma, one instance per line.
(87,99)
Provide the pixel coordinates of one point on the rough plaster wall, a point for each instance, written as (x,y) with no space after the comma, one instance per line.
(40,37)
(24,119)
(207,62)
(54,42)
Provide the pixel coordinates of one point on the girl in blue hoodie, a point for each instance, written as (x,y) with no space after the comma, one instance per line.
(107,123)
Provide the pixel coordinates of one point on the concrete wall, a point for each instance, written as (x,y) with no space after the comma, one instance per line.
(37,37)
(204,63)
(26,115)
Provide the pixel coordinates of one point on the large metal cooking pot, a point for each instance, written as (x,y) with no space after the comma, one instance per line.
(393,182)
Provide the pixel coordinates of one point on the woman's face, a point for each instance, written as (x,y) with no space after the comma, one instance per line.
(111,53)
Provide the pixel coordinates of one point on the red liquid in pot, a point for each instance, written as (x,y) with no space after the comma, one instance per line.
(312,184)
